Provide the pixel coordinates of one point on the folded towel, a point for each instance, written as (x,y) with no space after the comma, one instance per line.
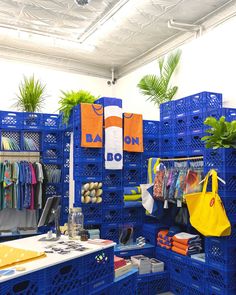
(186,252)
(152,168)
(186,247)
(132,190)
(133,132)
(137,197)
(162,233)
(164,242)
(186,238)
(164,246)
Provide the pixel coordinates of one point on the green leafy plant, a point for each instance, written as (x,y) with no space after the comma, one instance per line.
(157,88)
(223,133)
(31,95)
(70,99)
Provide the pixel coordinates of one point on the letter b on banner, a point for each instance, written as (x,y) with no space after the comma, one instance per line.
(114,157)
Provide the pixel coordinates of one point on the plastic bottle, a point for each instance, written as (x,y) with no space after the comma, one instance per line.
(75,223)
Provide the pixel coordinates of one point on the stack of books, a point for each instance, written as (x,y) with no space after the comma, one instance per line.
(122,266)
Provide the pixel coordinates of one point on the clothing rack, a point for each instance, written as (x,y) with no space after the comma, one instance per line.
(20,156)
(182,159)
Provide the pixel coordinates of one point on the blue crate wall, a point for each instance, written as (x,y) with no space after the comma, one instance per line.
(152,284)
(126,284)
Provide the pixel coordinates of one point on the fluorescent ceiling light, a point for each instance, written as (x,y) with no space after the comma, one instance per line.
(109,21)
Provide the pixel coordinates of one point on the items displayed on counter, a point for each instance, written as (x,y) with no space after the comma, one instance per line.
(141,241)
(53,175)
(163,240)
(121,266)
(11,256)
(65,247)
(207,212)
(9,144)
(146,265)
(91,125)
(133,132)
(94,233)
(113,133)
(132,193)
(91,192)
(186,244)
(30,144)
(126,235)
(171,184)
(21,185)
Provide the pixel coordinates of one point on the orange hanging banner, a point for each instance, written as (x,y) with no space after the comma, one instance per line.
(133,132)
(91,125)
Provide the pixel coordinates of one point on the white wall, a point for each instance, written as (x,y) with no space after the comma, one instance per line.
(11,74)
(207,64)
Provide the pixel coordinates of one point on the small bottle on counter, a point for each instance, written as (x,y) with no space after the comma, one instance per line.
(75,223)
(84,235)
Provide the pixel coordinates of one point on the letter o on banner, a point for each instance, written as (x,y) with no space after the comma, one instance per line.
(118,157)
(127,140)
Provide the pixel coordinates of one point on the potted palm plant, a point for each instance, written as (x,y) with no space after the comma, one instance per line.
(156,88)
(70,99)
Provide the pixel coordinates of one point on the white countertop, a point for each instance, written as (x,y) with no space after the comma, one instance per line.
(33,244)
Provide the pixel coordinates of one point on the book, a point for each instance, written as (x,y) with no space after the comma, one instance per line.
(123,270)
(119,262)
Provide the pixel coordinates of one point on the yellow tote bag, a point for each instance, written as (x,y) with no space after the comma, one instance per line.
(206,210)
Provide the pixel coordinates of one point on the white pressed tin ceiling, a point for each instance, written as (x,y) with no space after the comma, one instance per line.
(49,31)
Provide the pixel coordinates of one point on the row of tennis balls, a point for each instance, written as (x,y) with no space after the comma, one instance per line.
(91,192)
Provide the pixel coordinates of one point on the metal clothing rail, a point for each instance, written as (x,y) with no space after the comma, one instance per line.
(21,156)
(182,159)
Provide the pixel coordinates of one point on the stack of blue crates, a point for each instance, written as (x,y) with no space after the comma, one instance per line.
(181,125)
(87,167)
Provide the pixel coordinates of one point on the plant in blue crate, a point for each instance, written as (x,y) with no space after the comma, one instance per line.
(32,94)
(222,133)
(70,99)
(157,88)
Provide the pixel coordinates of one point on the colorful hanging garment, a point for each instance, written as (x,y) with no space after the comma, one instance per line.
(91,125)
(153,163)
(159,182)
(7,185)
(133,132)
(113,133)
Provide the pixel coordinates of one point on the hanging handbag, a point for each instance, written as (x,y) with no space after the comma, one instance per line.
(207,213)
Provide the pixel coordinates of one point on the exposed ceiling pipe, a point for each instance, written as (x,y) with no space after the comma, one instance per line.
(184,26)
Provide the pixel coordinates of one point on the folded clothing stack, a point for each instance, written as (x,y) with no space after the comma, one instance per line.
(164,237)
(186,244)
(132,193)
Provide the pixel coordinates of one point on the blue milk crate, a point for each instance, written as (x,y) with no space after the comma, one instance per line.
(196,123)
(166,145)
(178,267)
(196,275)
(30,284)
(220,157)
(205,101)
(126,284)
(229,113)
(51,121)
(32,121)
(52,138)
(133,215)
(167,126)
(151,144)
(66,164)
(146,156)
(147,250)
(112,178)
(223,279)
(64,278)
(220,253)
(132,159)
(159,283)
(88,171)
(193,291)
(52,155)
(181,145)
(112,214)
(14,135)
(151,127)
(88,154)
(178,288)
(229,176)
(131,176)
(92,213)
(164,255)
(143,285)
(195,144)
(181,124)
(150,232)
(181,106)
(230,205)
(11,120)
(113,196)
(216,113)
(107,290)
(213,290)
(110,232)
(166,109)
(53,189)
(34,137)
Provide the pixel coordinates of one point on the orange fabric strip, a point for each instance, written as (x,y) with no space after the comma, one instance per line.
(180,246)
(113,121)
(181,241)
(91,125)
(133,132)
(179,251)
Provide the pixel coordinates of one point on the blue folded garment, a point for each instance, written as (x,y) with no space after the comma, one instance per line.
(132,190)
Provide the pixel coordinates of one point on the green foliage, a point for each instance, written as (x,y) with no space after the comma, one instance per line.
(223,133)
(157,88)
(31,95)
(70,99)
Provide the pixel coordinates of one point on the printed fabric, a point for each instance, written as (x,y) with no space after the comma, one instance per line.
(158,188)
(133,132)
